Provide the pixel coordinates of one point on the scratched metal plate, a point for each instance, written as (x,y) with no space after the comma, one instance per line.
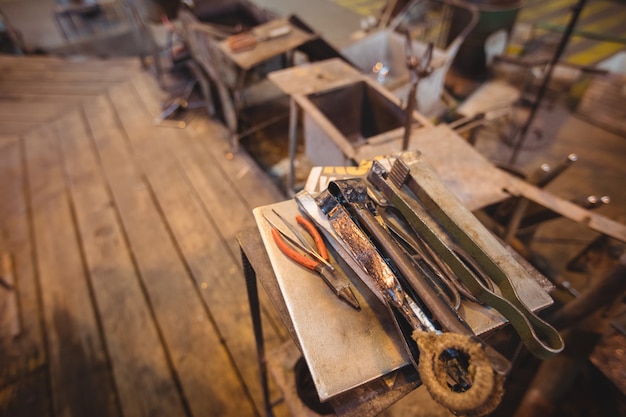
(344,348)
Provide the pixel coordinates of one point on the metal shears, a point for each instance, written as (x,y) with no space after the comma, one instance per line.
(315,259)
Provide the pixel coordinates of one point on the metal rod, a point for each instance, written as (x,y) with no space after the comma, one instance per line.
(576,10)
(293,124)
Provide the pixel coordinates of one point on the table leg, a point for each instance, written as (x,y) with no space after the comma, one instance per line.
(293,124)
(255,312)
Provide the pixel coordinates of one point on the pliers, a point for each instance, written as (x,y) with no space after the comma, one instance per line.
(314,259)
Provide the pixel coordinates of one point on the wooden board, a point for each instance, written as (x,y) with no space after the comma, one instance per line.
(34,111)
(79,369)
(17,127)
(201,362)
(47,63)
(67,88)
(22,349)
(213,266)
(18,75)
(131,292)
(26,397)
(140,366)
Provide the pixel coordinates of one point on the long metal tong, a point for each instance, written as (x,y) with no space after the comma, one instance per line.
(477,369)
(434,211)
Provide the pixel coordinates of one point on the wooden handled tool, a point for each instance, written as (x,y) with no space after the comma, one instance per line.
(248,40)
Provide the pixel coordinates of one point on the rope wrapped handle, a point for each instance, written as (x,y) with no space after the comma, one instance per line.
(487,386)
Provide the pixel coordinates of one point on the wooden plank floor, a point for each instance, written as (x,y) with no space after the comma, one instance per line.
(122,291)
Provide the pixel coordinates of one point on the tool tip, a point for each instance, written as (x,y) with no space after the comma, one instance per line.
(347,295)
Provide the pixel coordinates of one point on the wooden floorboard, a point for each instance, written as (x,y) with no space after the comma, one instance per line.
(140,366)
(223,197)
(201,362)
(22,349)
(205,213)
(63,88)
(11,127)
(80,377)
(122,234)
(26,397)
(58,75)
(47,63)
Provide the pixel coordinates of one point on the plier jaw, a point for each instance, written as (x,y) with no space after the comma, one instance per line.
(315,260)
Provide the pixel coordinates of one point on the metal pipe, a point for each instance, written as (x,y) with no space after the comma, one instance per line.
(417,69)
(346,190)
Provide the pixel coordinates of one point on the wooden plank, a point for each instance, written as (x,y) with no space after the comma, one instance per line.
(57,88)
(229,214)
(215,178)
(604,103)
(17,127)
(215,184)
(79,370)
(56,75)
(27,397)
(216,270)
(29,112)
(22,348)
(142,375)
(253,184)
(217,190)
(32,111)
(204,368)
(39,63)
(9,99)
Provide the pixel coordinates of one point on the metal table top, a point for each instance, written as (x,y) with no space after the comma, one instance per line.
(266,49)
(314,77)
(345,348)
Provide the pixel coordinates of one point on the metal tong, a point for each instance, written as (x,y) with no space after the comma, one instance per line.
(477,369)
(434,211)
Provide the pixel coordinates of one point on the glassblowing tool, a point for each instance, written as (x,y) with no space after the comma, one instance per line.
(476,370)
(434,212)
(317,260)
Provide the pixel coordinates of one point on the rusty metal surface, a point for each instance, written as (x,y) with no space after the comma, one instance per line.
(467,173)
(609,357)
(266,49)
(314,77)
(477,182)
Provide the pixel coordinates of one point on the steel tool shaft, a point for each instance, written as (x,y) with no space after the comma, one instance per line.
(434,211)
(478,379)
(353,193)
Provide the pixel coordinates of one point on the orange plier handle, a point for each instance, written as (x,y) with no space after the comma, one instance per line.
(297,256)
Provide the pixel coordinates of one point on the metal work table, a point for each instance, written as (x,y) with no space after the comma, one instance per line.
(475,180)
(266,49)
(232,71)
(300,81)
(355,357)
(370,398)
(308,79)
